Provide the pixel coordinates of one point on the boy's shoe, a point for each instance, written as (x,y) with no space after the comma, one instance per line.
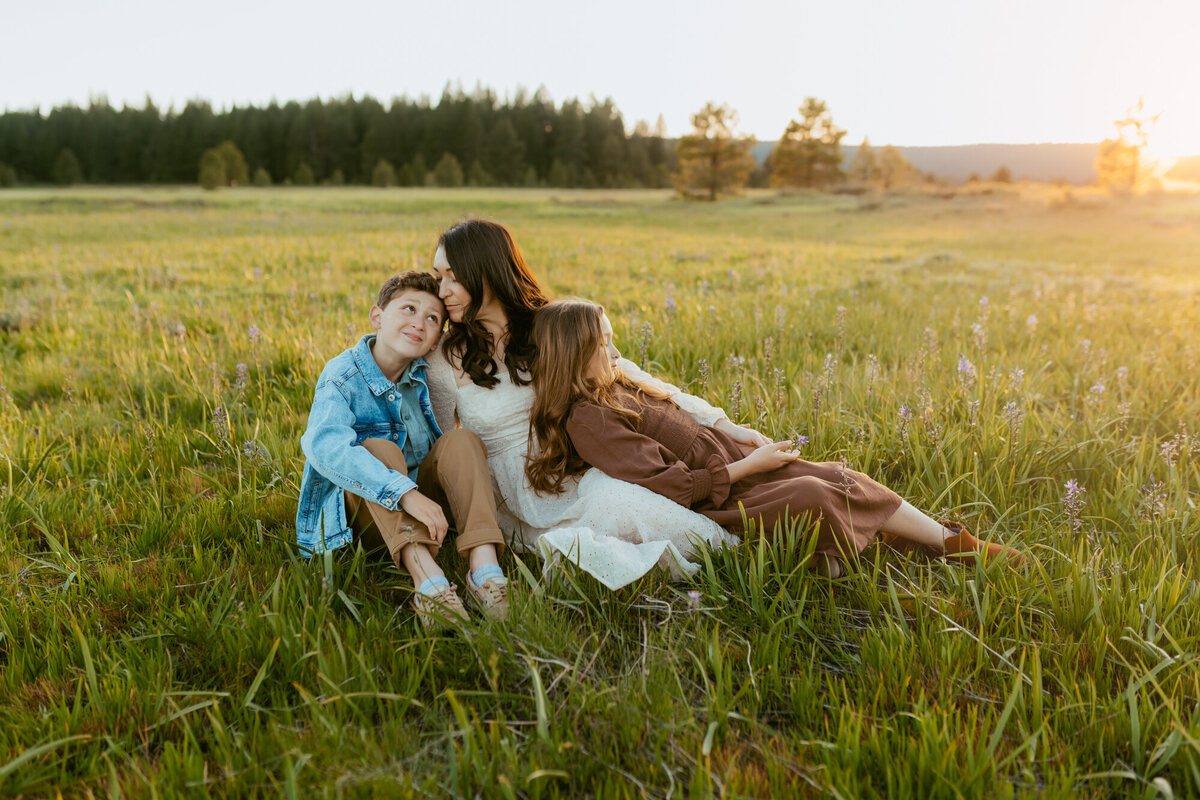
(441,609)
(492,597)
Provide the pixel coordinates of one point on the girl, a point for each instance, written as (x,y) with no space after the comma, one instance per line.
(586,413)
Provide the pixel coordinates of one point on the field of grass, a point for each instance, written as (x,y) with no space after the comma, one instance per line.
(160,637)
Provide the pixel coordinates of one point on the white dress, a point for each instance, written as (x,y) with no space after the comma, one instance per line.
(615,531)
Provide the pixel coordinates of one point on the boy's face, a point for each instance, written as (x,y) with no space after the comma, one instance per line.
(411,323)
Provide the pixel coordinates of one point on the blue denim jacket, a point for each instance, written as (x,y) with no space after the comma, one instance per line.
(353,401)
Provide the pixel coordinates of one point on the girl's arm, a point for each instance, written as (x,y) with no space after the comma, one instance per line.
(606,440)
(695,407)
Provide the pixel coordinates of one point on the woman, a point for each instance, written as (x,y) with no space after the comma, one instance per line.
(480,378)
(588,414)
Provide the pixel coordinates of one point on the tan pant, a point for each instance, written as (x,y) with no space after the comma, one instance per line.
(454,475)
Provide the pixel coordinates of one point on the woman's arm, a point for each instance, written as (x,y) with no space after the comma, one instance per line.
(443,390)
(695,407)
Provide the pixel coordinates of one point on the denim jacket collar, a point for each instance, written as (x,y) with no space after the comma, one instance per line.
(376,382)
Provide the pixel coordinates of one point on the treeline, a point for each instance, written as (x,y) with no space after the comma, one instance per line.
(474,138)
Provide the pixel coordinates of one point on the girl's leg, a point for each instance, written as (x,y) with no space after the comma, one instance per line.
(915,526)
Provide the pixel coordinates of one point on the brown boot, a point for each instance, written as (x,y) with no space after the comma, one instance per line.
(963,546)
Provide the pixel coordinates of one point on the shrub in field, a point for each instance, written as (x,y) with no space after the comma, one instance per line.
(67,169)
(420,170)
(212,169)
(8,176)
(559,175)
(448,172)
(236,173)
(336,178)
(262,177)
(478,176)
(384,174)
(303,175)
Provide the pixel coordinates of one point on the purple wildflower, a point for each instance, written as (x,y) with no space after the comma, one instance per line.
(241,379)
(1154,499)
(705,373)
(1073,503)
(966,371)
(645,336)
(1014,415)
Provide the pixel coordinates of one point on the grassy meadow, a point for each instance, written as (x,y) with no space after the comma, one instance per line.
(1025,363)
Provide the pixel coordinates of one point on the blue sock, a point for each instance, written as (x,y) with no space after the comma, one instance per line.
(431,586)
(486,573)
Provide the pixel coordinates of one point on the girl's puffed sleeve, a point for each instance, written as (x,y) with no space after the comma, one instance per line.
(608,441)
(693,406)
(443,390)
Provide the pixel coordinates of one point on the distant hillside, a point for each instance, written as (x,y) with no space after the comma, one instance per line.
(1038,162)
(1186,169)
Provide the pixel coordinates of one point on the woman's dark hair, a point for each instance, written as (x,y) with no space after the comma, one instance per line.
(483,254)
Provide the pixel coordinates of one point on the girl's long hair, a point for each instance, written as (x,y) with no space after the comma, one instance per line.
(567,336)
(483,254)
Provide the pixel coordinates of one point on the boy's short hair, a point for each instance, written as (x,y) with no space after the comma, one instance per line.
(421,281)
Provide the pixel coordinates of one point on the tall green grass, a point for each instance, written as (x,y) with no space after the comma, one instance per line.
(159,635)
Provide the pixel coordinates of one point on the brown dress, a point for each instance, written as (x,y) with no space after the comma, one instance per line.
(672,454)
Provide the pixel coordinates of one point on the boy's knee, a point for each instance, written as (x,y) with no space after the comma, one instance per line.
(388,452)
(464,443)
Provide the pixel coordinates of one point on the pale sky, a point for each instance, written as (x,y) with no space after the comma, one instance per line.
(917,72)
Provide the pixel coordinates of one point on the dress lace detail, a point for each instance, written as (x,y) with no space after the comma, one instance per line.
(615,531)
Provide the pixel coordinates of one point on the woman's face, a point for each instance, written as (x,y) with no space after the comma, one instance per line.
(453,293)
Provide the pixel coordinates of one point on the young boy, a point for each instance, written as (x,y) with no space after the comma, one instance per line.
(378,467)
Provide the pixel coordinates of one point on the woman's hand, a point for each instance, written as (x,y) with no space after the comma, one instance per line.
(764,459)
(742,434)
